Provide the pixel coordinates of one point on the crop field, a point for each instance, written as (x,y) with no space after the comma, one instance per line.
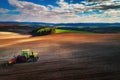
(72,31)
(66,56)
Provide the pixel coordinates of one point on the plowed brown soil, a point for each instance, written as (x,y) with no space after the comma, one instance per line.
(67,56)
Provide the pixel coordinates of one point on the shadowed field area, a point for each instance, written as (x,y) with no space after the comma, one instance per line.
(67,56)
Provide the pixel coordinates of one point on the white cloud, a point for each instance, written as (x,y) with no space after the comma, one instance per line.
(2,10)
(26,5)
(65,12)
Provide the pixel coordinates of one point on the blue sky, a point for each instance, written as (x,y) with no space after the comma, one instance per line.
(60,11)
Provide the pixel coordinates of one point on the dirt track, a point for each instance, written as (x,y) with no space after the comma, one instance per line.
(64,57)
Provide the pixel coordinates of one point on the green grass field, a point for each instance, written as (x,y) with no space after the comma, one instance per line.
(72,31)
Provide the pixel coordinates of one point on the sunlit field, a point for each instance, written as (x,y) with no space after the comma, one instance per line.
(72,31)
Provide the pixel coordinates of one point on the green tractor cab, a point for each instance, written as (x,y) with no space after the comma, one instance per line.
(26,56)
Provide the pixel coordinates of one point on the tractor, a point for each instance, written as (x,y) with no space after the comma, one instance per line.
(26,56)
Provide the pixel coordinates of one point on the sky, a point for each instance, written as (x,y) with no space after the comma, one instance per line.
(60,11)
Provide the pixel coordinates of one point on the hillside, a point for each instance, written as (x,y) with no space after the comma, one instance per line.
(35,30)
(16,28)
(66,56)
